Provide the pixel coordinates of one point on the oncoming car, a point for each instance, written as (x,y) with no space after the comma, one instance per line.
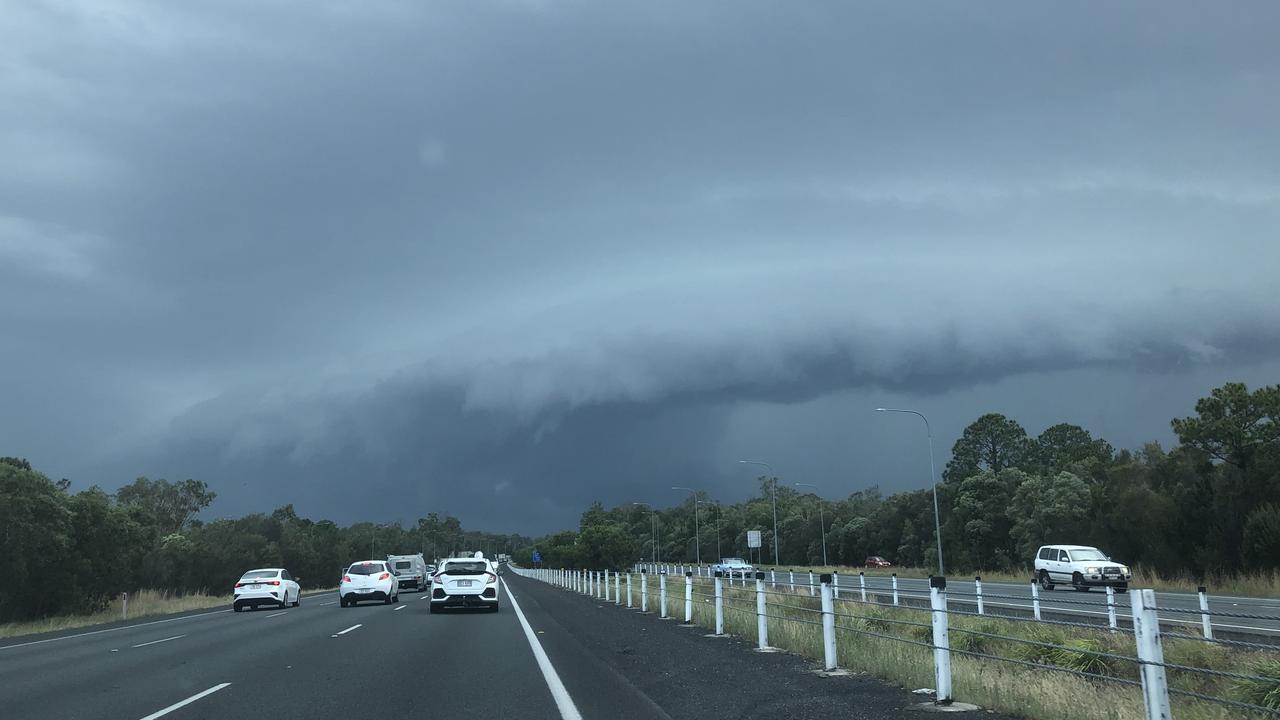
(465,582)
(875,561)
(368,580)
(266,586)
(1080,566)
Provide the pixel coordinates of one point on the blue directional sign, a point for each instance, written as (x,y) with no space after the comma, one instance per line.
(537,556)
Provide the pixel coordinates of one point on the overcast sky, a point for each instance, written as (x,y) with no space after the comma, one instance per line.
(502,259)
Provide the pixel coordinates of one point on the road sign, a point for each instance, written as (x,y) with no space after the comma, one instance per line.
(537,556)
(753,538)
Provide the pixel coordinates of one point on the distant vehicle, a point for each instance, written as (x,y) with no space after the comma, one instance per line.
(368,580)
(734,567)
(875,561)
(503,558)
(470,582)
(410,571)
(267,586)
(1080,566)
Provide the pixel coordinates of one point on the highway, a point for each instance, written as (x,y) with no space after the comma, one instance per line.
(570,656)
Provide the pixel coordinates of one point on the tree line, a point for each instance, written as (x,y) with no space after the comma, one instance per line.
(63,552)
(1209,505)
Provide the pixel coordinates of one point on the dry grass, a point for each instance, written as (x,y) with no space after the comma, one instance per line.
(871,640)
(142,604)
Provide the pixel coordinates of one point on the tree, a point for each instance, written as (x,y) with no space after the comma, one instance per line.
(1068,447)
(1232,424)
(982,513)
(1049,510)
(992,442)
(1261,549)
(170,505)
(35,538)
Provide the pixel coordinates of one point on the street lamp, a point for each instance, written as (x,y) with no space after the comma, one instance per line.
(717,504)
(933,474)
(654,530)
(775,504)
(822,526)
(697,539)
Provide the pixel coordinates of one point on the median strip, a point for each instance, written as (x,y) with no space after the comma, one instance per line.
(157,642)
(184,703)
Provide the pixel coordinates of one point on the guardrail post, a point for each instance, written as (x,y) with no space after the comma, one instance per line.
(617,589)
(773,579)
(628,591)
(644,590)
(895,588)
(1206,621)
(1146,631)
(835,583)
(688,598)
(762,620)
(977,590)
(1111,608)
(828,625)
(791,577)
(662,595)
(1035,599)
(124,606)
(941,640)
(811,588)
(862,585)
(606,586)
(719,602)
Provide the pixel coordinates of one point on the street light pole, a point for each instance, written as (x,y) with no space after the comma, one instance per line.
(822,525)
(653,531)
(933,480)
(719,554)
(697,539)
(775,504)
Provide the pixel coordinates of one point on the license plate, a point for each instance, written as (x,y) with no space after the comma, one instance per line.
(366,590)
(254,586)
(464,583)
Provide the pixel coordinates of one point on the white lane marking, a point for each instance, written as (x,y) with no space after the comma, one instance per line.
(401,607)
(184,703)
(344,632)
(282,612)
(331,602)
(122,627)
(156,642)
(568,711)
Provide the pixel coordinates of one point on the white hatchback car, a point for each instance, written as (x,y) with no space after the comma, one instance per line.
(266,586)
(465,582)
(368,580)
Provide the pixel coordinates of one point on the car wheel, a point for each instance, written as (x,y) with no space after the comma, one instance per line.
(1077,582)
(387,599)
(1122,587)
(434,609)
(297,599)
(237,607)
(1045,583)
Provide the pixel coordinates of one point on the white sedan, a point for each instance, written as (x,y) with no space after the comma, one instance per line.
(465,582)
(368,580)
(267,586)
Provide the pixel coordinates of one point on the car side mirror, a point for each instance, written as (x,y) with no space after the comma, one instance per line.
(297,579)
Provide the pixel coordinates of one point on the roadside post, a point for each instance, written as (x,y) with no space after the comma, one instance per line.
(941,640)
(895,588)
(1205,618)
(977,590)
(662,595)
(719,602)
(828,625)
(1035,599)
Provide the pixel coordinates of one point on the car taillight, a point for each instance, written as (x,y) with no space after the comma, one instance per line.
(346,578)
(240,584)
(384,576)
(275,582)
(492,579)
(437,580)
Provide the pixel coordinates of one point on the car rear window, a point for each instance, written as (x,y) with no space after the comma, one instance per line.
(258,574)
(366,569)
(402,565)
(466,568)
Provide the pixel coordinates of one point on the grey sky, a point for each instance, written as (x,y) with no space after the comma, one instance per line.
(502,259)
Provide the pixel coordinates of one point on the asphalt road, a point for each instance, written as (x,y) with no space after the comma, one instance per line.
(577,657)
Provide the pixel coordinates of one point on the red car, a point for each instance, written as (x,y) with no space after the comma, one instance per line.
(875,561)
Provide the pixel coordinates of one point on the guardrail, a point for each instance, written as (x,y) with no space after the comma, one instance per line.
(1115,664)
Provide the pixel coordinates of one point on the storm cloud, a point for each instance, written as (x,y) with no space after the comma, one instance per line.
(379,259)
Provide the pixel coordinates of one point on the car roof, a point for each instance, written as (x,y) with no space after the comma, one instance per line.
(464,559)
(246,572)
(1070,547)
(362,562)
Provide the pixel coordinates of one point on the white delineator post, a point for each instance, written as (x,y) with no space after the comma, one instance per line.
(628,591)
(1146,631)
(862,585)
(1111,608)
(791,577)
(812,589)
(977,590)
(719,603)
(605,594)
(124,606)
(773,579)
(1206,620)
(835,584)
(1035,599)
(828,624)
(762,620)
(941,640)
(688,597)
(617,589)
(895,588)
(644,591)
(662,595)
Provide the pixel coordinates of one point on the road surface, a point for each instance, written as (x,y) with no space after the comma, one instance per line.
(578,657)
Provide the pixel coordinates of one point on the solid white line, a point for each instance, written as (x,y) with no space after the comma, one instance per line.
(331,602)
(275,614)
(344,632)
(400,608)
(568,711)
(154,642)
(122,627)
(186,702)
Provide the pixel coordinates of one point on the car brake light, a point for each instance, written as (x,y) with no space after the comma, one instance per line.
(275,582)
(492,579)
(384,576)
(240,584)
(346,578)
(437,580)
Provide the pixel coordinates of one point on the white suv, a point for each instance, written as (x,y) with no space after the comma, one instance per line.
(1079,566)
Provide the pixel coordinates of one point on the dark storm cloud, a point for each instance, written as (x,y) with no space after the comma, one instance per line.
(387,257)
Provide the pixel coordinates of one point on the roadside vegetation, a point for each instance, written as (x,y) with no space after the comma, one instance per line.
(1206,511)
(892,643)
